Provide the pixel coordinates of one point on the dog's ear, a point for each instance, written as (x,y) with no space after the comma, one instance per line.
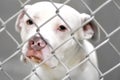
(19,18)
(90,30)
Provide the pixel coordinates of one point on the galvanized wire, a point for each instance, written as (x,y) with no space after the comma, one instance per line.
(92,13)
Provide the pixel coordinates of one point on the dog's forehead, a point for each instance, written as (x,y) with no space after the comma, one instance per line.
(47,9)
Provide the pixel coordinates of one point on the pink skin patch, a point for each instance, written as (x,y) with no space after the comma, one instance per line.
(38,56)
(87,27)
(35,56)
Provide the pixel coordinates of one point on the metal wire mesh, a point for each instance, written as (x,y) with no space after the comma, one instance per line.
(93,13)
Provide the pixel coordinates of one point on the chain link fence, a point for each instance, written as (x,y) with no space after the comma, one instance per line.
(106,13)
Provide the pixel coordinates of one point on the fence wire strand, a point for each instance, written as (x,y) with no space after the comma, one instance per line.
(68,70)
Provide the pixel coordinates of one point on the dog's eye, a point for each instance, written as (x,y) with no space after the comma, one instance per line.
(62,28)
(29,22)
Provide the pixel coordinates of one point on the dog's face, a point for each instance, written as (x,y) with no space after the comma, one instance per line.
(53,32)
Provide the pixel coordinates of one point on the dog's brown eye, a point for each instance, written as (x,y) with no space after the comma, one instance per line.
(62,28)
(29,22)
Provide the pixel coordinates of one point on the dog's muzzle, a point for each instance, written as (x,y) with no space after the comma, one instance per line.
(35,52)
(38,50)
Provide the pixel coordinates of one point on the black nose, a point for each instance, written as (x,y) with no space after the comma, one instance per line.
(37,43)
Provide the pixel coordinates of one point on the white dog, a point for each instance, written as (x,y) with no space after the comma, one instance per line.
(53,33)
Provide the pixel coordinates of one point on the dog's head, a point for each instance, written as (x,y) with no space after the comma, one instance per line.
(53,32)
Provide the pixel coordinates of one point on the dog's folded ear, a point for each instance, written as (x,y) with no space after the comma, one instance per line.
(91,29)
(20,16)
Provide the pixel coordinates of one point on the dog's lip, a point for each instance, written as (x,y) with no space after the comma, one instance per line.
(37,56)
(35,59)
(42,55)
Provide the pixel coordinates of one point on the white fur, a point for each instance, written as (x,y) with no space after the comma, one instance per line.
(70,53)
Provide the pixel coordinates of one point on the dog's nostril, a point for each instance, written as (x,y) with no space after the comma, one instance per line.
(32,42)
(38,44)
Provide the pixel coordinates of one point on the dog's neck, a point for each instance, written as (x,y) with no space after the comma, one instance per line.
(76,55)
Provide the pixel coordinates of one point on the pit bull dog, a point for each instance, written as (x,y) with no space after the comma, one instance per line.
(53,33)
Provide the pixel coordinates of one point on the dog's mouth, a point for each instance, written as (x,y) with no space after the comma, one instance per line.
(34,56)
(38,51)
(35,59)
(37,56)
